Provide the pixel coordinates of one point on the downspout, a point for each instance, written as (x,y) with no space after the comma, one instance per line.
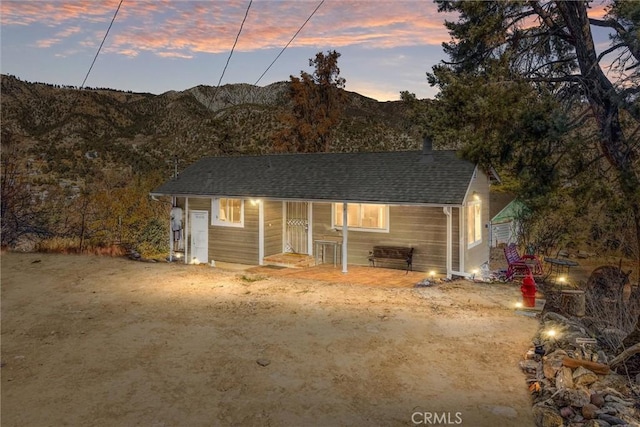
(345,232)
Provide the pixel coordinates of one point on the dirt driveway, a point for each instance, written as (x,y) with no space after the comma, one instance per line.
(91,341)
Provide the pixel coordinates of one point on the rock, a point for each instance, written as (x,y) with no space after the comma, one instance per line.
(263,362)
(552,363)
(596,423)
(564,378)
(546,416)
(614,381)
(505,411)
(583,376)
(578,397)
(611,420)
(567,412)
(529,366)
(589,411)
(597,399)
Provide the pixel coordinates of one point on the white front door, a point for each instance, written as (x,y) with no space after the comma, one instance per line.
(199,231)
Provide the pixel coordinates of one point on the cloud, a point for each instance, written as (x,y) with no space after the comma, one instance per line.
(165,27)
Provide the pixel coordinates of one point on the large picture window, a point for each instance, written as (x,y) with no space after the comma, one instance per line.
(362,216)
(227,212)
(474,223)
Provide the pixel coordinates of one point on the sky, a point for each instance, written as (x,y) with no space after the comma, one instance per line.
(156,46)
(160,45)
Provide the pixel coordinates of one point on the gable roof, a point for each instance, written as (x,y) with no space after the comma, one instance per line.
(439,177)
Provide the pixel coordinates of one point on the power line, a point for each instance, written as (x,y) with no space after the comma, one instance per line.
(100,47)
(290,41)
(230,54)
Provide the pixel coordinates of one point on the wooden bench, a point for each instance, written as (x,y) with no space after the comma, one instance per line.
(386,253)
(521,265)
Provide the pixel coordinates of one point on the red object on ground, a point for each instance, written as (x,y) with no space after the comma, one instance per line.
(528,290)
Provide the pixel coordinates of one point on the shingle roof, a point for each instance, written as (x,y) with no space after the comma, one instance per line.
(389,177)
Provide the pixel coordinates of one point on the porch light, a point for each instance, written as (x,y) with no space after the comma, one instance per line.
(254,201)
(475,195)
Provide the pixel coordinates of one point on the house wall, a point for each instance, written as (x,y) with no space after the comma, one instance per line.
(229,244)
(476,256)
(272,227)
(423,228)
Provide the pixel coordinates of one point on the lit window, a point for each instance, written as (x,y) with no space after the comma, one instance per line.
(474,223)
(362,216)
(228,212)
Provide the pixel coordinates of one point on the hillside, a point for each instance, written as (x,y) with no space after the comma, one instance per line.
(67,131)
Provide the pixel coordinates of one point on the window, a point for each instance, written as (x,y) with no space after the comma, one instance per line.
(474,223)
(362,216)
(227,212)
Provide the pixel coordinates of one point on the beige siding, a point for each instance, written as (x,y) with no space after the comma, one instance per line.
(272,227)
(233,244)
(477,255)
(230,244)
(423,228)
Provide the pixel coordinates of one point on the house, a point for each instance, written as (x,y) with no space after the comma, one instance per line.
(246,208)
(506,225)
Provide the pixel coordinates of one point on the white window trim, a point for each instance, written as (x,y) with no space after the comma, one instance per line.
(366,230)
(215,209)
(469,205)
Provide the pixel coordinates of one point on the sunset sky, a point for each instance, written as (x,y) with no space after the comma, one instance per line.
(161,45)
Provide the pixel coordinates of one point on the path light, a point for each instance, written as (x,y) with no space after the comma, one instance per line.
(518,305)
(432,274)
(562,279)
(551,333)
(474,272)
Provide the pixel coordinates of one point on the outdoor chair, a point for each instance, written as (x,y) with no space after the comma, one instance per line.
(521,265)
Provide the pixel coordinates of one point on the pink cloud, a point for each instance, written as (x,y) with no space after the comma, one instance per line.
(165,27)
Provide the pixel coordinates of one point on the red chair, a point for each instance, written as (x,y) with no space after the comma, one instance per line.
(521,265)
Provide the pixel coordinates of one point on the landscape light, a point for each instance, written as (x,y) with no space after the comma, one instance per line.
(432,274)
(518,305)
(551,333)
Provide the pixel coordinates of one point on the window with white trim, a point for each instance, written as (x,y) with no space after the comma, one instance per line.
(474,223)
(227,212)
(362,216)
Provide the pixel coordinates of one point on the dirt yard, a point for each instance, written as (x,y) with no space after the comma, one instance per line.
(94,341)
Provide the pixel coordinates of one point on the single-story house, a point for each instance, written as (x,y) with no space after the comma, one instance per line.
(242,209)
(505,225)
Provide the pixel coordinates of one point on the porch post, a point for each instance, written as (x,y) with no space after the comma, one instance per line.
(261,232)
(186,229)
(171,231)
(345,232)
(310,228)
(449,250)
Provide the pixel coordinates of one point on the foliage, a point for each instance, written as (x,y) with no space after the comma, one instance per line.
(317,103)
(22,213)
(525,90)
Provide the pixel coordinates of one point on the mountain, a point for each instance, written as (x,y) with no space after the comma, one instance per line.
(65,133)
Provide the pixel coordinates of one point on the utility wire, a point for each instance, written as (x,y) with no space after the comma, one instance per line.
(101,44)
(230,54)
(290,41)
